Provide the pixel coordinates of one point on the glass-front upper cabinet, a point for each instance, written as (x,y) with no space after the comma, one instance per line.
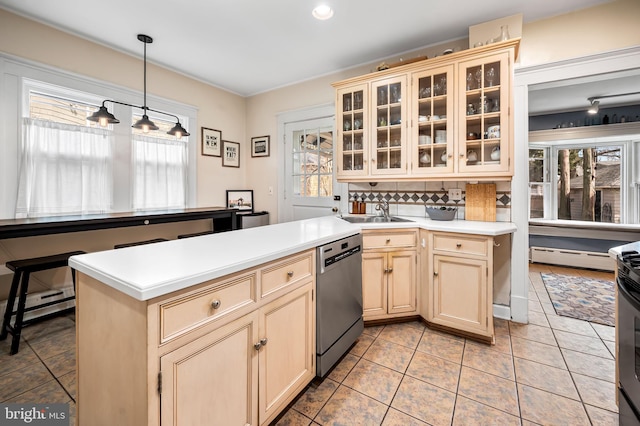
(351,122)
(484,101)
(432,147)
(389,124)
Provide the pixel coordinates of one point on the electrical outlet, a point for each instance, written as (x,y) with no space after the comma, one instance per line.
(455,194)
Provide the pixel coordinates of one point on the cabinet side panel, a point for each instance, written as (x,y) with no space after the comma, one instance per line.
(111,356)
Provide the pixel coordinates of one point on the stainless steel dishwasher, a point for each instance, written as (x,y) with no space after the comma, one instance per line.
(339,300)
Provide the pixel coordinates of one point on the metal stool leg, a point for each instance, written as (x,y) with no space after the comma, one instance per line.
(11,301)
(22,301)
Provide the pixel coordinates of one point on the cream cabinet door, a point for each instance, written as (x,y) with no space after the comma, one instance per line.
(374,284)
(388,134)
(214,379)
(352,125)
(287,354)
(401,282)
(484,105)
(460,293)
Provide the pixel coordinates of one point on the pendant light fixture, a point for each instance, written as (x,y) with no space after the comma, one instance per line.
(104,117)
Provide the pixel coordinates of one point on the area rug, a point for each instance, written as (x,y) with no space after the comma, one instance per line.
(587,299)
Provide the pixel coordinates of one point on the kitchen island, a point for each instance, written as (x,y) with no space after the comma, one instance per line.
(217,329)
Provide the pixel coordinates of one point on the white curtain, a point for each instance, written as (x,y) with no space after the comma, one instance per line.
(159,173)
(65,169)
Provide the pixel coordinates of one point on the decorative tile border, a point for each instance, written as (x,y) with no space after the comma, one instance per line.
(439,198)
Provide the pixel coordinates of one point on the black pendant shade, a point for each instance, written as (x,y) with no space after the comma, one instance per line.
(145,124)
(104,117)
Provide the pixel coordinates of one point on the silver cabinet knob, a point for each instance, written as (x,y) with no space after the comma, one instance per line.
(390,270)
(388,240)
(264,341)
(216,304)
(458,245)
(257,346)
(290,274)
(435,274)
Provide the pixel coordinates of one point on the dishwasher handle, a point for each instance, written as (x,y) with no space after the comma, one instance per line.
(328,261)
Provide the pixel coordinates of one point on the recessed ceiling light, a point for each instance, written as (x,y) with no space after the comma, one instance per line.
(322,12)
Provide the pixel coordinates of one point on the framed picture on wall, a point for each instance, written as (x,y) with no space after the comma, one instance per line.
(211,142)
(260,146)
(241,199)
(230,154)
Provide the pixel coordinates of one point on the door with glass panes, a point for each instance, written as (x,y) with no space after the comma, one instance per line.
(310,182)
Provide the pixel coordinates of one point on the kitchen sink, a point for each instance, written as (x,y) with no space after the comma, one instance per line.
(373,219)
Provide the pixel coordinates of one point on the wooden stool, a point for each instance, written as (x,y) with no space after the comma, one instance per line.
(22,269)
(139,243)
(197,234)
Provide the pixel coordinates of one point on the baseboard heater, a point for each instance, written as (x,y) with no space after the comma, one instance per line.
(34,299)
(575,258)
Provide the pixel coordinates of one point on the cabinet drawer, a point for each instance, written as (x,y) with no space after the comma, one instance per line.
(466,244)
(179,316)
(391,240)
(287,272)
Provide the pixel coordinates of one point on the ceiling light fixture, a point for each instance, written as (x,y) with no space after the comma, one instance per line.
(322,12)
(104,117)
(595,101)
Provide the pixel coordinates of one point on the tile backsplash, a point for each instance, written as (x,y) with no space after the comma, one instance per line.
(410,198)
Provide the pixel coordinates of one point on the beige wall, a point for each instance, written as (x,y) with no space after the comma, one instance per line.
(217,108)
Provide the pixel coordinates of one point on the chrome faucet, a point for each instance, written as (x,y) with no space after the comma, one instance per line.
(384,206)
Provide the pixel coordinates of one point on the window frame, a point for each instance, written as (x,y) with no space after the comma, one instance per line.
(16,73)
(629,188)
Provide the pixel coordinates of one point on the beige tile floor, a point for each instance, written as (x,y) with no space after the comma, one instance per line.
(555,370)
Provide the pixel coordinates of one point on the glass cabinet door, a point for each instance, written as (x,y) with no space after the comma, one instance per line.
(484,131)
(352,131)
(432,116)
(389,123)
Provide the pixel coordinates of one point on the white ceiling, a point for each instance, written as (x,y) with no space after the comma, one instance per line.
(249,47)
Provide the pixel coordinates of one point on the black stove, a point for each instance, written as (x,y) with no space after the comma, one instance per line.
(629,269)
(628,339)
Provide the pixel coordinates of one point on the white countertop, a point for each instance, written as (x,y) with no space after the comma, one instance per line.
(152,270)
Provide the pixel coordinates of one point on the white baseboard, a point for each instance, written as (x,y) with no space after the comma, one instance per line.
(44,297)
(519,309)
(502,311)
(575,258)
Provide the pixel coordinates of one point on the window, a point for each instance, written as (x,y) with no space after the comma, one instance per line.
(65,163)
(160,168)
(69,165)
(313,163)
(582,182)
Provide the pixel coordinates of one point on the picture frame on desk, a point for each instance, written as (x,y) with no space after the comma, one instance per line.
(211,142)
(241,199)
(260,146)
(230,154)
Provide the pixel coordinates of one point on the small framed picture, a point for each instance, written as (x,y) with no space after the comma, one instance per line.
(211,142)
(241,199)
(260,146)
(230,154)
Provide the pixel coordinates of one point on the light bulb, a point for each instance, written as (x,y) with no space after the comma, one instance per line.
(145,128)
(103,121)
(322,12)
(178,135)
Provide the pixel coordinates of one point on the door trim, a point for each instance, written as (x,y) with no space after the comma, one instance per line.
(310,113)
